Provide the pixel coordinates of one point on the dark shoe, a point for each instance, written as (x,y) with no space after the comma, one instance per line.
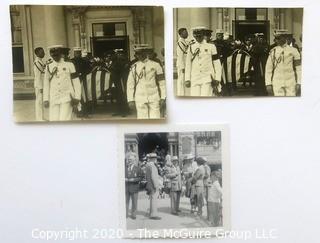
(179,211)
(155,218)
(115,114)
(175,213)
(134,217)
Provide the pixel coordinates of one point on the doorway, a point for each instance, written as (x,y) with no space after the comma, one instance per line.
(242,28)
(101,45)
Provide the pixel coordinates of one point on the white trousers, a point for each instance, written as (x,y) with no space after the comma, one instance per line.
(60,112)
(149,110)
(202,90)
(180,83)
(284,90)
(39,105)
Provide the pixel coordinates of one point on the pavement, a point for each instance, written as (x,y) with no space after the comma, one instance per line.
(24,111)
(168,221)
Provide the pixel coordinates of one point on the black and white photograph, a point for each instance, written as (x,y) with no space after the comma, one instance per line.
(82,63)
(174,180)
(237,52)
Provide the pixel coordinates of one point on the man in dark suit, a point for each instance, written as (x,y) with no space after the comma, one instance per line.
(133,177)
(152,177)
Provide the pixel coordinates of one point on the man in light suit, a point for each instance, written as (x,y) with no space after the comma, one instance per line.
(146,90)
(197,180)
(62,88)
(203,67)
(152,177)
(38,70)
(173,172)
(283,68)
(182,47)
(133,177)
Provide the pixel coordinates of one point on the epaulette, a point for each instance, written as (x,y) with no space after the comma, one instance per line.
(49,61)
(192,42)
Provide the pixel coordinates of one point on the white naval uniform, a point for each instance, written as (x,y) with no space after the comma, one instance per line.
(146,86)
(182,48)
(60,90)
(201,69)
(38,70)
(283,70)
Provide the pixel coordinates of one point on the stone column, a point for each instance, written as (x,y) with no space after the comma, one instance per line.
(200,17)
(55,26)
(220,18)
(281,18)
(288,20)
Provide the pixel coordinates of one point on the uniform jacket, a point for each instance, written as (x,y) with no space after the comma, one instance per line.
(133,176)
(283,66)
(38,69)
(182,48)
(202,63)
(146,82)
(152,177)
(174,174)
(197,178)
(61,83)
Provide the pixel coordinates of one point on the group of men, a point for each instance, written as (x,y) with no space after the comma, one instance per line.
(201,63)
(60,82)
(201,184)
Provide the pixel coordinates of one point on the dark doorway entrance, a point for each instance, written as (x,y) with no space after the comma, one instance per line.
(153,143)
(242,28)
(101,45)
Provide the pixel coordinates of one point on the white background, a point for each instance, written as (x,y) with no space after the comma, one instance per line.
(65,176)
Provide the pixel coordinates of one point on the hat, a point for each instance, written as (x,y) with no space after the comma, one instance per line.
(118,50)
(201,160)
(141,47)
(174,158)
(199,28)
(279,32)
(188,156)
(258,34)
(152,155)
(53,47)
(77,48)
(219,31)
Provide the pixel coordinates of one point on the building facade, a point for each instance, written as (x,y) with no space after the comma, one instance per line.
(239,22)
(207,144)
(93,28)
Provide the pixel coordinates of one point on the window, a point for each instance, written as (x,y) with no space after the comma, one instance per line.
(109,29)
(251,14)
(16,36)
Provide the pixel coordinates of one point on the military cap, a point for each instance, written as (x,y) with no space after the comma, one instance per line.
(279,32)
(118,50)
(54,47)
(258,34)
(142,47)
(77,48)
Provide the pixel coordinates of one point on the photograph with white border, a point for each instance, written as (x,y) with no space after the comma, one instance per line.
(174,182)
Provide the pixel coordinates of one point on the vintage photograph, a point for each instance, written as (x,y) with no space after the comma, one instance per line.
(174,180)
(237,52)
(87,62)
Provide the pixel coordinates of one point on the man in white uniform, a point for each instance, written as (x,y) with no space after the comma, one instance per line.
(182,47)
(146,85)
(62,89)
(283,68)
(203,67)
(38,70)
